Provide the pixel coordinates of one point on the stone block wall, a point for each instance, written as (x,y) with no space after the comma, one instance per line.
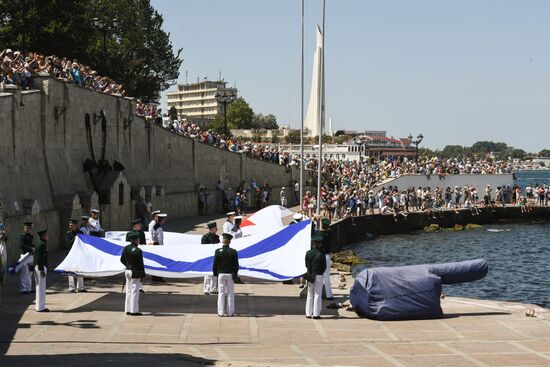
(44,142)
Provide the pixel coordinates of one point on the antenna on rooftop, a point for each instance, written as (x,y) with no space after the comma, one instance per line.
(220,75)
(186,76)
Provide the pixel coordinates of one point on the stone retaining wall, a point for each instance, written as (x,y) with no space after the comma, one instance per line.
(45,141)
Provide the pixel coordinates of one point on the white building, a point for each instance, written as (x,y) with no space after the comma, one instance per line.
(374,146)
(197,102)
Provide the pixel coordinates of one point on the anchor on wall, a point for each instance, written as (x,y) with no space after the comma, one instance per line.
(97,169)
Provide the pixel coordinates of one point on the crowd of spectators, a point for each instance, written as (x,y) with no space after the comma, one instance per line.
(351,188)
(348,187)
(17,68)
(219,140)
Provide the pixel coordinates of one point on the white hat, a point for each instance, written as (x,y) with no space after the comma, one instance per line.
(94,210)
(283,188)
(239,217)
(297,216)
(230,213)
(155,212)
(162,215)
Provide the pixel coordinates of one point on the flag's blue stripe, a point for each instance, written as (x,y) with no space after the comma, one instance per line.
(271,243)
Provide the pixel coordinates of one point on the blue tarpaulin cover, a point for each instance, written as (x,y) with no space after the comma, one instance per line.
(409,292)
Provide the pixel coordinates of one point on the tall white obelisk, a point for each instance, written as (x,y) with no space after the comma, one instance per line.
(313,115)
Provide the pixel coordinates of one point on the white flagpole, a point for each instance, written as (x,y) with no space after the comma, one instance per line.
(322,114)
(302,118)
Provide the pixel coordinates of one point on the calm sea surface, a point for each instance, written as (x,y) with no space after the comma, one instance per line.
(518,257)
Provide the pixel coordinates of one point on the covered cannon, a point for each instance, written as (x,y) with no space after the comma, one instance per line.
(409,292)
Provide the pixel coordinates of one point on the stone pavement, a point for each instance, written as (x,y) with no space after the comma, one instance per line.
(180,328)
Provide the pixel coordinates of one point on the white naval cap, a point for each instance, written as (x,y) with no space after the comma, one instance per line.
(155,212)
(297,216)
(230,213)
(162,215)
(94,210)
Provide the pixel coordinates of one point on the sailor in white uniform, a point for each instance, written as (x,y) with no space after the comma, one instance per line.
(153,221)
(236,231)
(157,236)
(94,225)
(27,246)
(228,225)
(283,196)
(158,233)
(296,218)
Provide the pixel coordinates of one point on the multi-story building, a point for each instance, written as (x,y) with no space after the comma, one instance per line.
(371,146)
(197,102)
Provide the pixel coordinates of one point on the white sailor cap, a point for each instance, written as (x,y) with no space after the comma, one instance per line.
(94,210)
(155,212)
(239,217)
(297,216)
(162,215)
(230,213)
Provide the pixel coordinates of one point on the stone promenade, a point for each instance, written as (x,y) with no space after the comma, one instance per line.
(180,328)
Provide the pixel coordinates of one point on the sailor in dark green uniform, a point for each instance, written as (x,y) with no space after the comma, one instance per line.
(325,248)
(132,258)
(316,265)
(226,268)
(211,237)
(26,245)
(136,226)
(70,236)
(210,283)
(41,270)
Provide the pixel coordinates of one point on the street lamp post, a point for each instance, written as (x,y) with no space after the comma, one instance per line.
(362,145)
(225,99)
(416,142)
(105,26)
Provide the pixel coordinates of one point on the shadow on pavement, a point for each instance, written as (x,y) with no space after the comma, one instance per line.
(105,359)
(159,304)
(466,314)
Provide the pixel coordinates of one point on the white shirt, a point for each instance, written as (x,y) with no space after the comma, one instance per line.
(158,235)
(296,186)
(151,225)
(237,234)
(94,225)
(227,226)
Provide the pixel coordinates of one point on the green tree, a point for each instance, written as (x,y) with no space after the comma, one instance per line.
(544,153)
(451,151)
(138,53)
(518,153)
(293,137)
(239,114)
(488,146)
(268,122)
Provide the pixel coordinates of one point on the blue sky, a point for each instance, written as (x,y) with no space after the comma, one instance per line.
(455,71)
